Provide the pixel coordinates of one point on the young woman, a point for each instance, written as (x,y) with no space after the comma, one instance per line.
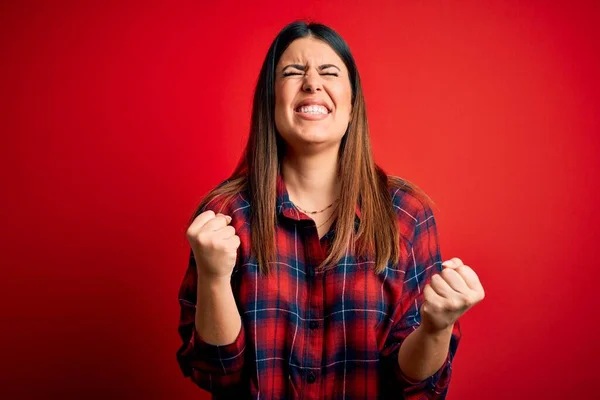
(312,273)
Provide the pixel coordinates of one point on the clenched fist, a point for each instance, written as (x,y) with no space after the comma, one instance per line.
(449,295)
(214,244)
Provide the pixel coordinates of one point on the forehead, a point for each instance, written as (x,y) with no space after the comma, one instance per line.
(310,51)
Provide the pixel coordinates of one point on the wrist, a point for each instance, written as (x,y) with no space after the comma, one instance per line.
(212,290)
(212,281)
(436,332)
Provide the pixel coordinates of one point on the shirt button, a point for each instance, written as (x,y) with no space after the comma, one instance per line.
(311,378)
(314,324)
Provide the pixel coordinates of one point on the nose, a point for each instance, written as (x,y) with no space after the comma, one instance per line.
(312,83)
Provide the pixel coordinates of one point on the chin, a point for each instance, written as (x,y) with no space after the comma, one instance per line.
(317,136)
(303,137)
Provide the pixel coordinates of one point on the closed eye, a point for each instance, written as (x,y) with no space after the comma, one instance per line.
(298,73)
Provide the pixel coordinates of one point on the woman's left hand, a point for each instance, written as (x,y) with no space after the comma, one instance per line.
(449,295)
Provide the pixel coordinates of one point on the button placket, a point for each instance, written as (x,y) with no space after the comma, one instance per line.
(315,315)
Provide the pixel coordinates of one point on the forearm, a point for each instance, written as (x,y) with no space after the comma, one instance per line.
(218,321)
(422,353)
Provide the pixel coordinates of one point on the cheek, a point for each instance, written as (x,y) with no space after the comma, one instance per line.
(284,94)
(280,107)
(280,118)
(343,98)
(283,100)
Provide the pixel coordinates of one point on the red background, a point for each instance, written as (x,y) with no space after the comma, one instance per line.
(117,119)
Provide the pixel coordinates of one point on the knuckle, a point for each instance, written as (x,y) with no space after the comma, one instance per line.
(465,299)
(427,292)
(207,213)
(426,308)
(465,269)
(480,295)
(454,304)
(215,242)
(431,303)
(232,240)
(223,216)
(202,238)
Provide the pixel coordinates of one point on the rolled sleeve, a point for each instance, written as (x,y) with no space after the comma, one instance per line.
(434,386)
(215,368)
(424,261)
(216,359)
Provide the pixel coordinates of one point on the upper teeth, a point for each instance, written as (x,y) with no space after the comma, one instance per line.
(314,109)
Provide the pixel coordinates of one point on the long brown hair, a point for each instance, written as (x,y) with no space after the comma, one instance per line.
(362,181)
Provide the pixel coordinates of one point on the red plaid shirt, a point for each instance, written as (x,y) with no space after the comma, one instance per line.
(326,335)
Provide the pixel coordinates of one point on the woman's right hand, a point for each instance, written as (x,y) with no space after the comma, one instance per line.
(214,244)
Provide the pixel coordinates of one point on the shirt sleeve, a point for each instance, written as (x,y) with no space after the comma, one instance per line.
(217,369)
(424,261)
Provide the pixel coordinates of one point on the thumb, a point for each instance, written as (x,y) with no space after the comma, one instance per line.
(450,264)
(227,217)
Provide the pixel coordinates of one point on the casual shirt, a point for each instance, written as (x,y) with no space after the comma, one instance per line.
(318,335)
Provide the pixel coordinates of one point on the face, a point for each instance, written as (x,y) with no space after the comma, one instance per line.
(313,94)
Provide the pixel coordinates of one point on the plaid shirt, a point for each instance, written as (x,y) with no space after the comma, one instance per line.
(325,335)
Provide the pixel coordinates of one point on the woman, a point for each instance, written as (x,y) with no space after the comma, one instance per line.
(312,273)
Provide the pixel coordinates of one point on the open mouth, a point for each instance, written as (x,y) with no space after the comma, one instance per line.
(313,110)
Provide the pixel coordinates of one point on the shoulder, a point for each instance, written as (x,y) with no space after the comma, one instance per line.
(412,205)
(227,197)
(230,197)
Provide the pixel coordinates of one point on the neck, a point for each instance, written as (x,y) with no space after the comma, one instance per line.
(312,181)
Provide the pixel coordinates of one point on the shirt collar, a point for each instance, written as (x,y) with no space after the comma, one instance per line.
(285,206)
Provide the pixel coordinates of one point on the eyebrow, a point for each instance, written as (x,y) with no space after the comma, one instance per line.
(303,68)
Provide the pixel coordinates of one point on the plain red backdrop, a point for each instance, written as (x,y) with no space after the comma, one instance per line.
(117,117)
